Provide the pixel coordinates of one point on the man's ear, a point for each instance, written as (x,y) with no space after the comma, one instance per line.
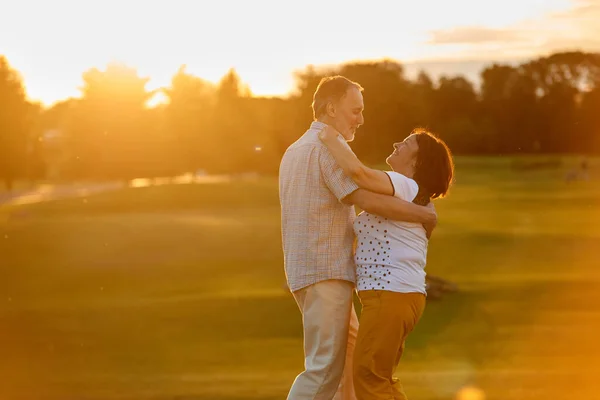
(330,108)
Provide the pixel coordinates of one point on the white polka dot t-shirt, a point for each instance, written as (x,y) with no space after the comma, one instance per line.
(391,255)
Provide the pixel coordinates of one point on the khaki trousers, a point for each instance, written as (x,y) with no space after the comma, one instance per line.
(330,329)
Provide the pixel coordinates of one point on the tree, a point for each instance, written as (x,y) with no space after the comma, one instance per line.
(589,118)
(272,131)
(559,80)
(454,113)
(17,117)
(109,133)
(509,109)
(422,96)
(233,149)
(189,121)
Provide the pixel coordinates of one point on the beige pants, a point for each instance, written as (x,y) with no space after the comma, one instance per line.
(330,330)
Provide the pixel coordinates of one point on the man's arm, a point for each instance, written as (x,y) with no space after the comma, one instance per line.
(394,208)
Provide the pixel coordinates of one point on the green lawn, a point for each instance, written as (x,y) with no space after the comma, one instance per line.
(176,292)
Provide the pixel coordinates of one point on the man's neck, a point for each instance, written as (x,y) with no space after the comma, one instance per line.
(327,121)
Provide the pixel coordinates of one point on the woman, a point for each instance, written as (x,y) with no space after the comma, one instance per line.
(391,255)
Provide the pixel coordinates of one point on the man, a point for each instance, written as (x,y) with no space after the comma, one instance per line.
(317,211)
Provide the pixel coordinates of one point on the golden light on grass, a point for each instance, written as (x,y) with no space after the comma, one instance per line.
(470,393)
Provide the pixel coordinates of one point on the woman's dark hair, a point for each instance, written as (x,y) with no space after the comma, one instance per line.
(434,169)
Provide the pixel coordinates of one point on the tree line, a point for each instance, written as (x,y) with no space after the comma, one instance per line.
(546,105)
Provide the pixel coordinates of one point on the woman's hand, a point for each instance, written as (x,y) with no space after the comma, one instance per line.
(328,133)
(430,225)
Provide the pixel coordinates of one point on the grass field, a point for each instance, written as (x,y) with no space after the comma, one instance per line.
(176,292)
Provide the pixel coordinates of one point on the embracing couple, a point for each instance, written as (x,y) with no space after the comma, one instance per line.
(330,252)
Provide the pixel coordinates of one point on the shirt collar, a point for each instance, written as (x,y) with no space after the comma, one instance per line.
(317,125)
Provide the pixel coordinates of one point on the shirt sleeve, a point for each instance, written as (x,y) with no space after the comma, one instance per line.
(404,188)
(340,184)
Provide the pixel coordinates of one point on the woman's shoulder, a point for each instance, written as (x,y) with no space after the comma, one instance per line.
(404,187)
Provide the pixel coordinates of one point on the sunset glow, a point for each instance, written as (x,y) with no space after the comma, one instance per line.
(53,43)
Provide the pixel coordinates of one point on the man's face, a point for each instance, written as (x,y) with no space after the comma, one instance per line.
(348,114)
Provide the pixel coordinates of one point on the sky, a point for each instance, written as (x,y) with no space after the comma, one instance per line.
(51,43)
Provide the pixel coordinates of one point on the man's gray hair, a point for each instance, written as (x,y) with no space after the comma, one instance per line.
(330,89)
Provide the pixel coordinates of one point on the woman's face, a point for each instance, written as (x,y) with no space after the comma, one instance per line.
(404,157)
